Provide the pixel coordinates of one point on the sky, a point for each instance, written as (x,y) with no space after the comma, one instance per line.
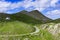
(49,8)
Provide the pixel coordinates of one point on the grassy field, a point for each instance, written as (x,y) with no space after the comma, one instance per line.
(22,24)
(42,35)
(15,27)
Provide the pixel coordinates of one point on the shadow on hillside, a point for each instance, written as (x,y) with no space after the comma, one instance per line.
(27,21)
(22,18)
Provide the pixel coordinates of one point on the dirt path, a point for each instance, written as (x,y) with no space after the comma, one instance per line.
(36,31)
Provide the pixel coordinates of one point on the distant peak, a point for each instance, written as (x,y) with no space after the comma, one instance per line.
(24,11)
(35,10)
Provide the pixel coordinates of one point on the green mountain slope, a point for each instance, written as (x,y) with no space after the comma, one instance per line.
(37,15)
(56,20)
(25,18)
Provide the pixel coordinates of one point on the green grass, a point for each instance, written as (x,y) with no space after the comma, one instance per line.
(15,27)
(18,27)
(42,35)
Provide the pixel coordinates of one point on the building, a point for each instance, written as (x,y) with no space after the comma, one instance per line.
(7,18)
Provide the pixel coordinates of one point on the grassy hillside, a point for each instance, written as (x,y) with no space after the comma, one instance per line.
(27,19)
(21,23)
(15,27)
(18,23)
(56,20)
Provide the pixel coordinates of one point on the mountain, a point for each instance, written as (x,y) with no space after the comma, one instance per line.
(19,17)
(25,15)
(37,15)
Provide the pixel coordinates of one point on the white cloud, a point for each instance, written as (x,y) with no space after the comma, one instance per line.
(37,5)
(53,2)
(5,6)
(54,14)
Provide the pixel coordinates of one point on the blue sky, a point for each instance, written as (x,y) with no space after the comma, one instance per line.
(14,0)
(50,8)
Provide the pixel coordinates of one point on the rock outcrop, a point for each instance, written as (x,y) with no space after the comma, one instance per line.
(53,28)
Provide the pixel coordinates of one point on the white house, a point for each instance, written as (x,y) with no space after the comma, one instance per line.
(7,18)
